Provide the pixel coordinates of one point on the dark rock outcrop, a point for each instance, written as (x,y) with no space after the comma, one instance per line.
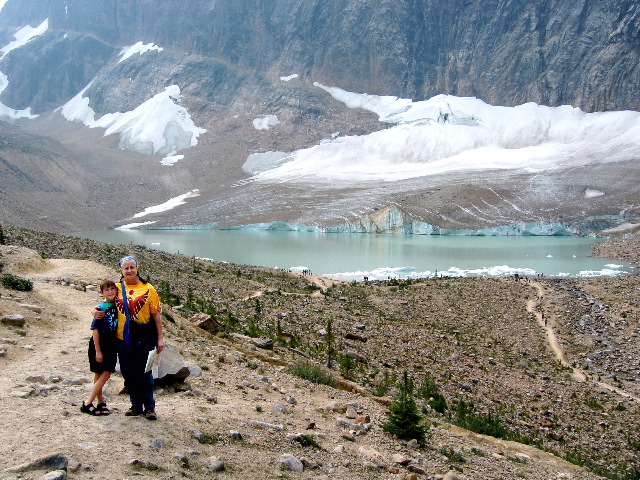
(579,53)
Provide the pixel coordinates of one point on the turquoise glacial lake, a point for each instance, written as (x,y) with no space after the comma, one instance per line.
(378,256)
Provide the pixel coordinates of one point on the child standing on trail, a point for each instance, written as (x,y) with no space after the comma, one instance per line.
(102,349)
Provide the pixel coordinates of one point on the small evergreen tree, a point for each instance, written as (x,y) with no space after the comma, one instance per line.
(2,239)
(347,366)
(403,417)
(431,393)
(330,340)
(190,303)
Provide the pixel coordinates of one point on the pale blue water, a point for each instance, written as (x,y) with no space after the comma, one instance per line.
(352,256)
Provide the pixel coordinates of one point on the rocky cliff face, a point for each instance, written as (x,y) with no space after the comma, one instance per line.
(581,53)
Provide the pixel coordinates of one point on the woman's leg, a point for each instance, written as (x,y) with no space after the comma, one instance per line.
(139,384)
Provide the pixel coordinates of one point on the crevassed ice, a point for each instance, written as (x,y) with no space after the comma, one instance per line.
(448,134)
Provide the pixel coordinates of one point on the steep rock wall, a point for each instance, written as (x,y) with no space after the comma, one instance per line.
(507,52)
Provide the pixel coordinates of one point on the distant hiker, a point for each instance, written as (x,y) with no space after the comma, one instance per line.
(139,331)
(544,319)
(102,349)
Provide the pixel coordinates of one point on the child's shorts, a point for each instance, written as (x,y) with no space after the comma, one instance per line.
(109,357)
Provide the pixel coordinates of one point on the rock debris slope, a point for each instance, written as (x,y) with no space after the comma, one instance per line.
(475,338)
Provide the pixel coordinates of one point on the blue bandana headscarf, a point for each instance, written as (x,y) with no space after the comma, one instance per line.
(124,259)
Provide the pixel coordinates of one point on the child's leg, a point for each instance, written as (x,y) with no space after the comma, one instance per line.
(96,377)
(96,391)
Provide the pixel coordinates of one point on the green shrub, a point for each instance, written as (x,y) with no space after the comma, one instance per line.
(313,373)
(253,330)
(385,385)
(16,283)
(307,440)
(347,366)
(478,452)
(467,418)
(404,420)
(431,393)
(452,455)
(487,424)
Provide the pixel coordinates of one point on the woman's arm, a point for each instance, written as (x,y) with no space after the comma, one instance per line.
(157,317)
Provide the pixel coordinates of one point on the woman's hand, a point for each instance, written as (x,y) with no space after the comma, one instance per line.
(160,344)
(97,313)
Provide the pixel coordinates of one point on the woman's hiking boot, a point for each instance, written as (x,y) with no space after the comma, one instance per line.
(134,412)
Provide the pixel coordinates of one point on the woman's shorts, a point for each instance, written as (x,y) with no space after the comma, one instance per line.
(109,357)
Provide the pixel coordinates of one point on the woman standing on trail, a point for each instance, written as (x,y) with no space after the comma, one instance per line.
(139,331)
(143,304)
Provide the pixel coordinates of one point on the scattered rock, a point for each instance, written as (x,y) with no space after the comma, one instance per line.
(56,461)
(13,320)
(264,343)
(33,308)
(290,463)
(172,368)
(158,443)
(216,464)
(55,475)
(268,426)
(206,322)
(141,464)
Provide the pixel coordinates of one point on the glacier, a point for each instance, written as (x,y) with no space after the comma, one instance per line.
(448,134)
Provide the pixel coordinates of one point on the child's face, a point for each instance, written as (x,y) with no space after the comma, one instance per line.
(109,293)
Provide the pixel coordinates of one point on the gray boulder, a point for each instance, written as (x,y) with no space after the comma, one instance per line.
(172,368)
(56,461)
(206,322)
(14,320)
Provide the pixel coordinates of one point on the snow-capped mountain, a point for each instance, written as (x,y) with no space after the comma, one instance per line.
(460,114)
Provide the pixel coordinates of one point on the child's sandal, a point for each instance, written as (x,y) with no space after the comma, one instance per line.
(102,409)
(90,409)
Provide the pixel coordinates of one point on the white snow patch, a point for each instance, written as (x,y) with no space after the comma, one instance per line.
(169,204)
(171,159)
(290,77)
(24,35)
(78,110)
(130,226)
(261,162)
(158,126)
(265,123)
(591,193)
(139,48)
(9,112)
(621,228)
